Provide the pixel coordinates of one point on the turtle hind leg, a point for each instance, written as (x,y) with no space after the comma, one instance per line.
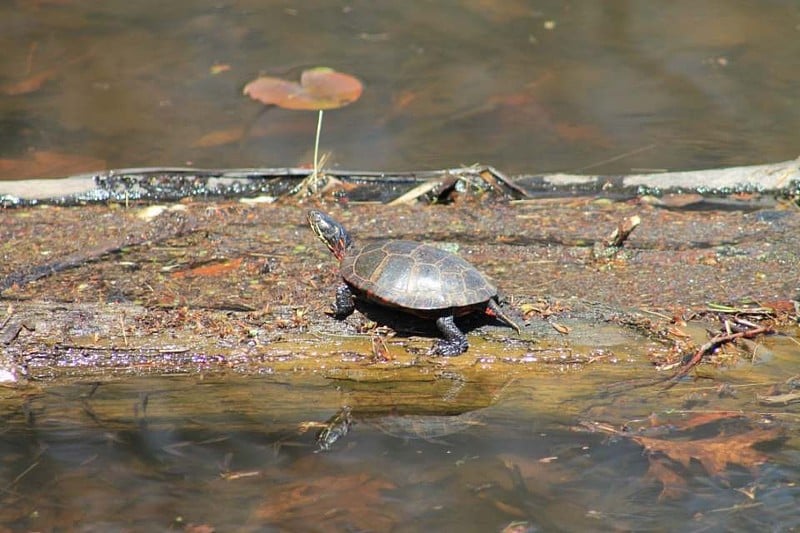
(454,342)
(493,309)
(343,305)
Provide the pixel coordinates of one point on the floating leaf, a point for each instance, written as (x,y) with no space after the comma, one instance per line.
(319,88)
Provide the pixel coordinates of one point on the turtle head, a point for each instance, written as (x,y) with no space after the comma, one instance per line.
(330,232)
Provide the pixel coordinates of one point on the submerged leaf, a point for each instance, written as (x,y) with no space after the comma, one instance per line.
(319,88)
(714,453)
(30,84)
(219,137)
(673,484)
(338,502)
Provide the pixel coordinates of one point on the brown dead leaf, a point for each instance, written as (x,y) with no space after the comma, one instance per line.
(380,351)
(403,100)
(30,84)
(45,164)
(714,453)
(199,528)
(211,269)
(219,138)
(581,133)
(237,133)
(354,501)
(33,82)
(701,419)
(674,486)
(780,306)
(675,331)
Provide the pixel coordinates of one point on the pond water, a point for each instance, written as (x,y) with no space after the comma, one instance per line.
(527,87)
(428,451)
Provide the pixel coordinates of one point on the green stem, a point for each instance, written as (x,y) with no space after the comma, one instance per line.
(316,145)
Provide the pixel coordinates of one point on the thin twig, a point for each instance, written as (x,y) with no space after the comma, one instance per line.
(22,474)
(713,344)
(621,233)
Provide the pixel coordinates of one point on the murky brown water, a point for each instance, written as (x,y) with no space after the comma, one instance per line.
(524,86)
(238,454)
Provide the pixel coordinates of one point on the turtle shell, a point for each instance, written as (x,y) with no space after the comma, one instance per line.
(414,276)
(426,427)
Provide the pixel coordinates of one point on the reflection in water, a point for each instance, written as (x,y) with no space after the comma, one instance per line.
(526,88)
(155,454)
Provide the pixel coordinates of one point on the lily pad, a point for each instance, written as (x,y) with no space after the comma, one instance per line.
(319,88)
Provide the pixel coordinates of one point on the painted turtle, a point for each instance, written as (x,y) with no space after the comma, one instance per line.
(427,427)
(411,277)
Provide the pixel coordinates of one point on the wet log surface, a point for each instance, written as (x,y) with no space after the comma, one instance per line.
(224,285)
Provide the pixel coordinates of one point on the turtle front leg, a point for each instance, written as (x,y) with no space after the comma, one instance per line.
(455,342)
(344,305)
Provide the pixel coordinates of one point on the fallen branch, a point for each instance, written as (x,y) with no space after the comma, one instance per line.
(712,345)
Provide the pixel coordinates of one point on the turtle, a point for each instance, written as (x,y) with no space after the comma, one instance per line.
(427,427)
(411,277)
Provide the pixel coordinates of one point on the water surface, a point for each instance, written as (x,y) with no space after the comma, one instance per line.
(239,454)
(526,87)
(599,87)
